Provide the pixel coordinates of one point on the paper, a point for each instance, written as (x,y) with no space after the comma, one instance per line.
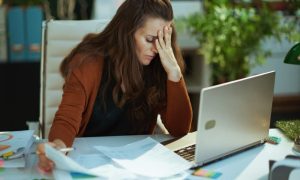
(92,164)
(103,166)
(62,162)
(92,160)
(147,158)
(60,174)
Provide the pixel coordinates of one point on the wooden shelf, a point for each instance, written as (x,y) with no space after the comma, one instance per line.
(286,104)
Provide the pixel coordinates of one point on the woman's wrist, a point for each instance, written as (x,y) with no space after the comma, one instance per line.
(59,144)
(175,75)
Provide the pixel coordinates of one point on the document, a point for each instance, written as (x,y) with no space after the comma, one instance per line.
(164,162)
(101,164)
(89,164)
(62,162)
(148,158)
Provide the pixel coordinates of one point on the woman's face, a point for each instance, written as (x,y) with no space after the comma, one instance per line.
(145,39)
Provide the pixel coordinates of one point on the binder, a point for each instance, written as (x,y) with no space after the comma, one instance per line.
(3,37)
(33,31)
(15,146)
(16,34)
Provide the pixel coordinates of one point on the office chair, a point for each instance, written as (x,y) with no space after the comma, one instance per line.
(58,38)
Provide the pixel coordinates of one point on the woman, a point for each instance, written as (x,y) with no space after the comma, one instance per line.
(118,81)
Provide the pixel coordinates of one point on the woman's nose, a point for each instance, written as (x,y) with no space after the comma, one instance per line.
(153,48)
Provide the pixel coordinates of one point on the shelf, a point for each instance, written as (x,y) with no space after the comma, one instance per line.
(18,62)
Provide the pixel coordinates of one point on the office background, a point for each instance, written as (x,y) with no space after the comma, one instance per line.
(20,80)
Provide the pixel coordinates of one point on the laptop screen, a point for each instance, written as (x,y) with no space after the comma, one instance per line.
(234,116)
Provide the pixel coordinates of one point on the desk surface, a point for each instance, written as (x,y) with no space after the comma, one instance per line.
(252,163)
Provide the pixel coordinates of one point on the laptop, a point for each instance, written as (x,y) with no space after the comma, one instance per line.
(233,117)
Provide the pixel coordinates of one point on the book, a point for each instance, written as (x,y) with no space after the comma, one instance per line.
(33,26)
(14,145)
(16,35)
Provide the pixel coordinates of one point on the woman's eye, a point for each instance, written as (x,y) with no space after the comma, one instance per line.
(149,40)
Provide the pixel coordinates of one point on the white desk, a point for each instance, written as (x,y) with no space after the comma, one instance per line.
(251,164)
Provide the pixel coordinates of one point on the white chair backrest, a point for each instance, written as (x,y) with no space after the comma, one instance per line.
(58,39)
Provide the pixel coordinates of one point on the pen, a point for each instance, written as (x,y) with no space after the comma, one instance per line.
(63,150)
(66,149)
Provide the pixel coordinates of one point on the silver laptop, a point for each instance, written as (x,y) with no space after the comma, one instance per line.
(233,116)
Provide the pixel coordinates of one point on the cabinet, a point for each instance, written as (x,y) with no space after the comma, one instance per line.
(19,94)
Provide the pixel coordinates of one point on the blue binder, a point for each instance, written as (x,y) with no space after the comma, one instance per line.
(16,34)
(33,25)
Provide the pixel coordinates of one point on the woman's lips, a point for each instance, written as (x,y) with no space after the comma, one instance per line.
(149,58)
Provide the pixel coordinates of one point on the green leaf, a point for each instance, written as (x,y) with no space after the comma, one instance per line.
(230,33)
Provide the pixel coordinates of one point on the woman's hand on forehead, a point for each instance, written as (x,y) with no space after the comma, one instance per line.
(165,51)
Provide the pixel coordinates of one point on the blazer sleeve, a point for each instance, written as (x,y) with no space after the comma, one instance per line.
(177,117)
(68,118)
(80,87)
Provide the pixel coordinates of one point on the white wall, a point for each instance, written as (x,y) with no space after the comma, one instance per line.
(287,79)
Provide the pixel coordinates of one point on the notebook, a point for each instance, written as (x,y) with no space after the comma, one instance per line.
(233,116)
(14,145)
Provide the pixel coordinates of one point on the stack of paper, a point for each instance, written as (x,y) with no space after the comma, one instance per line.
(147,158)
(13,147)
(142,159)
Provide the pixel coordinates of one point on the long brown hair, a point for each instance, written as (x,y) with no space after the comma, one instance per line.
(145,86)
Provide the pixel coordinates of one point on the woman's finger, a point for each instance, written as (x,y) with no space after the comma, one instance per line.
(158,47)
(45,164)
(161,39)
(168,33)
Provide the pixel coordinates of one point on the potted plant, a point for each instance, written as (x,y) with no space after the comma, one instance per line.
(231,34)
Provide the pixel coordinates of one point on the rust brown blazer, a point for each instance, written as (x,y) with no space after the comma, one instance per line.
(80,91)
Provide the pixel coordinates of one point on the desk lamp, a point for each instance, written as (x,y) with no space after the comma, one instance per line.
(293,56)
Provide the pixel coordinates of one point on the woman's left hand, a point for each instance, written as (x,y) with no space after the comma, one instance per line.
(167,58)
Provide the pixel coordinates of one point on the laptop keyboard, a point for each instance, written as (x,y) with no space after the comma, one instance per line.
(187,153)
